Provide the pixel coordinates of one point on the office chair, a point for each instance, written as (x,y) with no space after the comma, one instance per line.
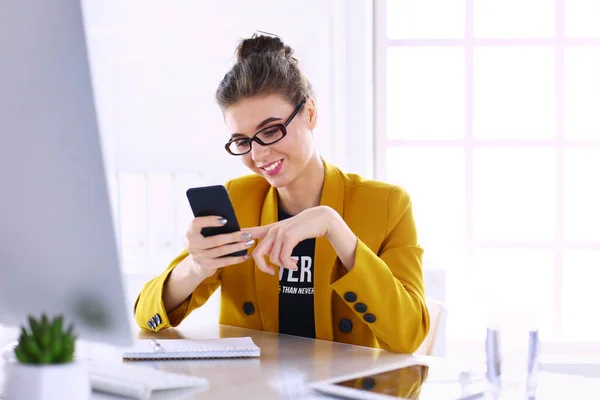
(437,314)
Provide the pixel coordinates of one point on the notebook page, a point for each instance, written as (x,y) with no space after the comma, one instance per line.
(224,344)
(193,348)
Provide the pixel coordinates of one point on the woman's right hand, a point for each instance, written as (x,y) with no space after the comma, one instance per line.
(207,252)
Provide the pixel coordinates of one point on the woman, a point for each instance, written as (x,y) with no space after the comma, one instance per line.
(344,265)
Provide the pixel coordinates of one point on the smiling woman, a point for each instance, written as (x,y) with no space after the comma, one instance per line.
(335,241)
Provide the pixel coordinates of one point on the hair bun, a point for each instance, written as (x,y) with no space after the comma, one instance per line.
(262,44)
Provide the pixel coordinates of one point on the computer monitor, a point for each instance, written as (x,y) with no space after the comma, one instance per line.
(58,251)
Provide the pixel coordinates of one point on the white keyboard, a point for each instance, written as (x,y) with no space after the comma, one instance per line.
(137,382)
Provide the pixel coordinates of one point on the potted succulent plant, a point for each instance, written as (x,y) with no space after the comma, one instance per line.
(45,367)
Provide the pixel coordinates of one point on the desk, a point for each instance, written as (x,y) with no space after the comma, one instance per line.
(287,363)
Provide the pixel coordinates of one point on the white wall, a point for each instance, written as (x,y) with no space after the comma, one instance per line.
(157,66)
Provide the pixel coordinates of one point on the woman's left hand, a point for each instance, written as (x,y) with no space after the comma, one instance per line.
(280,238)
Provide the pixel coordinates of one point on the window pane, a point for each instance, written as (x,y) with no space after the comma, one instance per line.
(435,179)
(425,93)
(582,195)
(514,194)
(513,18)
(514,93)
(582,18)
(426,19)
(582,92)
(514,281)
(580,295)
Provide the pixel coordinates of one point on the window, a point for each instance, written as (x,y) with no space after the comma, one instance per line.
(487,113)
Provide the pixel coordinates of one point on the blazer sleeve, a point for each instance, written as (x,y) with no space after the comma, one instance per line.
(149,308)
(390,282)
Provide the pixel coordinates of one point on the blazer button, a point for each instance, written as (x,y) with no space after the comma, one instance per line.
(248,308)
(360,307)
(368,383)
(369,318)
(345,325)
(350,297)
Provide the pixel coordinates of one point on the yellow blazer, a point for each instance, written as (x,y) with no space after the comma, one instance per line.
(387,278)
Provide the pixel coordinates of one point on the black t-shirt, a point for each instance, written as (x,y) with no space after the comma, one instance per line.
(296,291)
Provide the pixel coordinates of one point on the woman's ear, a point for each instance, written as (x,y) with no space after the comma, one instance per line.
(311,108)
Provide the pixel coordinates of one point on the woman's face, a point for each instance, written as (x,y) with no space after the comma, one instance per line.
(282,162)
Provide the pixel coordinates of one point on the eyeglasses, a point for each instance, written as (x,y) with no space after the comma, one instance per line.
(265,137)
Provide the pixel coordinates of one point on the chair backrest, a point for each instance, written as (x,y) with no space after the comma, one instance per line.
(437,315)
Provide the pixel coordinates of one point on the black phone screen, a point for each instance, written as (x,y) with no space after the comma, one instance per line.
(214,200)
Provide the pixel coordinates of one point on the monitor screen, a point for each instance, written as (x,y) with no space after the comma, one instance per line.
(57,240)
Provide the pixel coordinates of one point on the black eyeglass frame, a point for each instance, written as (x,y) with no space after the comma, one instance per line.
(254,138)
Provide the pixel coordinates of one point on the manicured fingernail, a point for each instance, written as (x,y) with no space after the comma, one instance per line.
(222,220)
(249,243)
(246,235)
(246,256)
(271,272)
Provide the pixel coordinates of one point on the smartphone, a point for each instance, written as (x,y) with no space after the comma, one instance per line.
(214,200)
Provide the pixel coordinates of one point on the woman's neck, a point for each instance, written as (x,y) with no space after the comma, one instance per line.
(305,191)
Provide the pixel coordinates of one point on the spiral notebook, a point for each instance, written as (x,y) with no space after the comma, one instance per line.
(177,349)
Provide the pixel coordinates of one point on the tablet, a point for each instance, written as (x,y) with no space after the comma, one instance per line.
(416,381)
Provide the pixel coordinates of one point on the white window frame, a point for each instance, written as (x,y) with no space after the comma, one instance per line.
(382,43)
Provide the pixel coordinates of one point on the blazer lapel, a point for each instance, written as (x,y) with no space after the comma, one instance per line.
(325,256)
(267,286)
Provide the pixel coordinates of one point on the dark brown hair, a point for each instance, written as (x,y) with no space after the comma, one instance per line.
(265,65)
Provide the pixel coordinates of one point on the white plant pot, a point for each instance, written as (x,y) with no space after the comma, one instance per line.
(46,382)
